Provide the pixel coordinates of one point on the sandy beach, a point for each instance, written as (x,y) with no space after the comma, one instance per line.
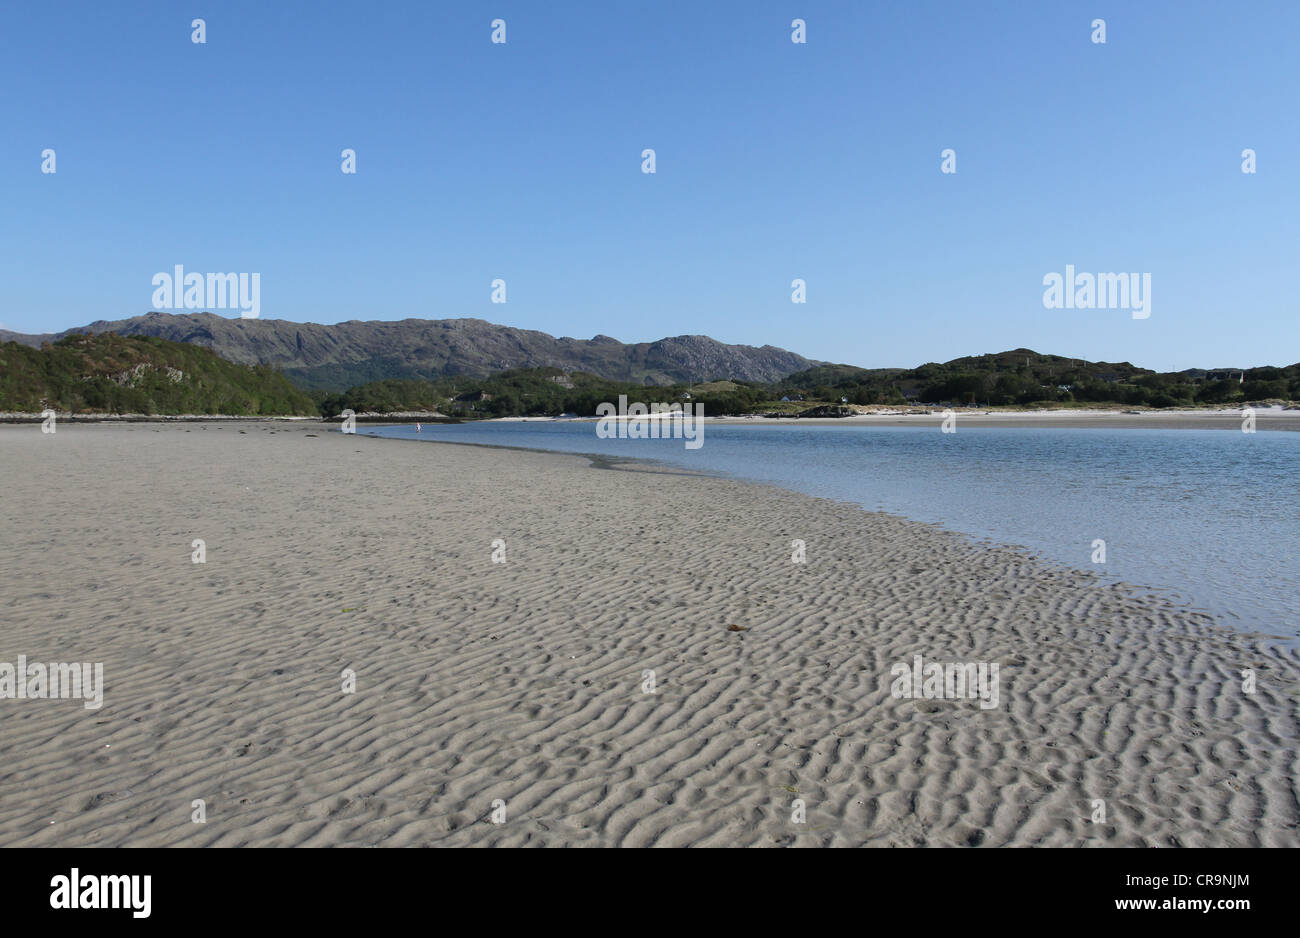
(519,688)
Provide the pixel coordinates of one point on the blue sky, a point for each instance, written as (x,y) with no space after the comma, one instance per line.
(775,161)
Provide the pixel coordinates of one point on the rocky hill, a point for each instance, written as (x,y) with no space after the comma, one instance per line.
(340,356)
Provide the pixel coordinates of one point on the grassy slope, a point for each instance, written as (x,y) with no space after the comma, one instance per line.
(108,373)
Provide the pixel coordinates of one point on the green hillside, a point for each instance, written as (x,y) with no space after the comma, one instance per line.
(109,373)
(519,392)
(1008,379)
(1025,377)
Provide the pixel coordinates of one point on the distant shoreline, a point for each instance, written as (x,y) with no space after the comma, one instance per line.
(1053,419)
(1217,419)
(405,416)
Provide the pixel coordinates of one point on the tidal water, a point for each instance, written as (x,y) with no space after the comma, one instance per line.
(1210,518)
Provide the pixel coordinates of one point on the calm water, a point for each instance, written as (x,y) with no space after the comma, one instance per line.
(1207,517)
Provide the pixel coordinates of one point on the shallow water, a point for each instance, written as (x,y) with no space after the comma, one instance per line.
(1207,517)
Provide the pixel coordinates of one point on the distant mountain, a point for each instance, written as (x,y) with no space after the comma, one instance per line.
(355,352)
(111,373)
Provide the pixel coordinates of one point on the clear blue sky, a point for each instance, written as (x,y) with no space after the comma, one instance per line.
(775,161)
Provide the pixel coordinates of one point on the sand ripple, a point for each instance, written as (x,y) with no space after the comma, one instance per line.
(522,681)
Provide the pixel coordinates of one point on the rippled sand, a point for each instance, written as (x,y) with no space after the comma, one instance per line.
(524,681)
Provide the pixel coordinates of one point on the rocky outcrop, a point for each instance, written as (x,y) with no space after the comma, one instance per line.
(828,410)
